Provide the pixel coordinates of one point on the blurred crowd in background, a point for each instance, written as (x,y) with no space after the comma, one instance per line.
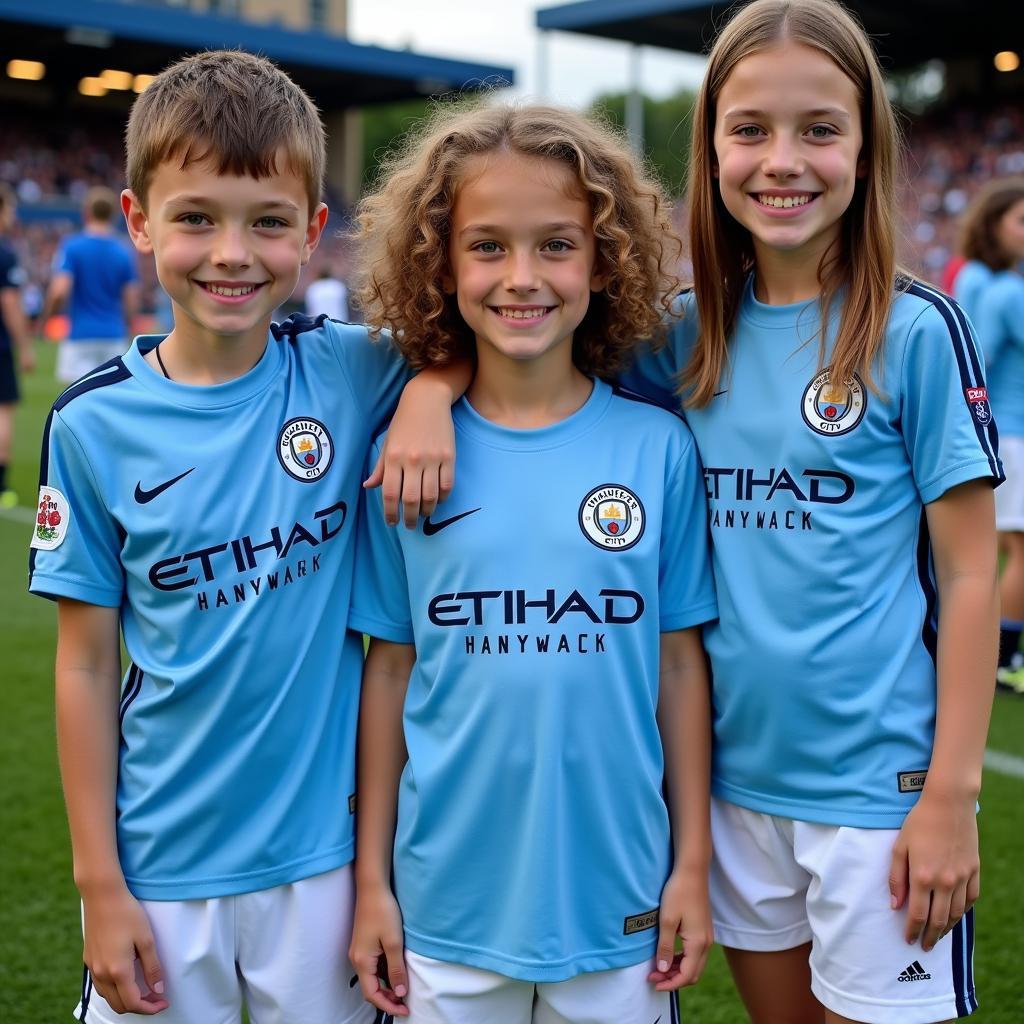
(951,155)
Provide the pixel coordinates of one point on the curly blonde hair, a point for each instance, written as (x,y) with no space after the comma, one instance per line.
(403,228)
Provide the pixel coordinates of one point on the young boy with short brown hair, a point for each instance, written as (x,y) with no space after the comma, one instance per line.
(199,494)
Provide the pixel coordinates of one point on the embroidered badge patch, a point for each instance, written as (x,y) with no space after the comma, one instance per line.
(977,399)
(830,409)
(641,922)
(305,449)
(612,517)
(910,782)
(52,517)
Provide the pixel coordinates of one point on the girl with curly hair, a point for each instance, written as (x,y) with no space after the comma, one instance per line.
(534,732)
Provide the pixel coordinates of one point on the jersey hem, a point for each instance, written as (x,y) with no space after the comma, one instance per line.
(235,885)
(828,814)
(530,970)
(697,616)
(55,587)
(976,469)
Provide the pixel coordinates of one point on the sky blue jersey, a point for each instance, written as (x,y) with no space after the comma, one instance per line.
(1000,322)
(971,281)
(823,659)
(533,838)
(221,522)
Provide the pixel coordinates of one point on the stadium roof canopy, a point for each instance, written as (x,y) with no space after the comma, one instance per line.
(77,38)
(906,33)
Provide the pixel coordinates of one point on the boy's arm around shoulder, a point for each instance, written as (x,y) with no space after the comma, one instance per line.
(377,930)
(87,691)
(684,721)
(416,468)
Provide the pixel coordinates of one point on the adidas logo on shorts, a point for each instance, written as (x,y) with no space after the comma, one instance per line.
(915,972)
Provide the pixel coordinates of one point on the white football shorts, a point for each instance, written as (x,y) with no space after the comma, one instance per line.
(777,883)
(1010,493)
(77,358)
(446,993)
(282,952)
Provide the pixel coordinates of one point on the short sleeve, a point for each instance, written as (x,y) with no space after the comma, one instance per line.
(76,544)
(946,418)
(380,596)
(654,370)
(686,587)
(376,370)
(63,261)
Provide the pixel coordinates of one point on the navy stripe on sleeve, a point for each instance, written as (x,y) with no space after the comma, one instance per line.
(968,363)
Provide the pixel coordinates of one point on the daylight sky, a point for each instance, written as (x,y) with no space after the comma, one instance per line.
(503,32)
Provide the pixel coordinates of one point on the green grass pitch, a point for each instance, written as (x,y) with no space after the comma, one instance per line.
(40,943)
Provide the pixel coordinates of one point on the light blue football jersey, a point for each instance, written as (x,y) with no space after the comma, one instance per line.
(823,659)
(221,521)
(971,281)
(1000,323)
(533,839)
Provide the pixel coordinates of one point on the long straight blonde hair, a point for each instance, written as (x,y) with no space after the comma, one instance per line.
(862,261)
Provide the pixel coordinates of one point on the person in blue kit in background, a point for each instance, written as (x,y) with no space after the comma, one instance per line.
(14,336)
(96,280)
(536,672)
(849,456)
(991,288)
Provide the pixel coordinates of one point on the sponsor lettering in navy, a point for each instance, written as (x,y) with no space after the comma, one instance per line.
(977,399)
(239,556)
(743,484)
(305,449)
(482,608)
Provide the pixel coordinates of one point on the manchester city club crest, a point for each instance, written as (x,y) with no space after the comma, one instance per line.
(612,517)
(831,409)
(305,449)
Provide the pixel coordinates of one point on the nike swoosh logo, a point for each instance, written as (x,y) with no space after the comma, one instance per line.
(429,528)
(715,395)
(144,497)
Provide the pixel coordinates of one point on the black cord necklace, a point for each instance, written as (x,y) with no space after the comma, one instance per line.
(156,352)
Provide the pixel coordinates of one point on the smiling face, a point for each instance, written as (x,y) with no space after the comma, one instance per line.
(228,248)
(522,256)
(787,148)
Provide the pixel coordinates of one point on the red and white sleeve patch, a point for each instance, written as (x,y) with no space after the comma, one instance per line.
(53,514)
